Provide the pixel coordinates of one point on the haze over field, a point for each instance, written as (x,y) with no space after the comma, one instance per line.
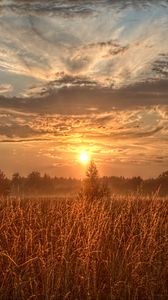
(84,76)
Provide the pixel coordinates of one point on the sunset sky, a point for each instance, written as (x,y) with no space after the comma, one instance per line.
(84,76)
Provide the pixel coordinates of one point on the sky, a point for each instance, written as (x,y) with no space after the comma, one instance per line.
(84,76)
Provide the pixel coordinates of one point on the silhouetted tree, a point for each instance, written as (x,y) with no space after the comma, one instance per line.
(91,183)
(47,185)
(4,184)
(34,182)
(94,188)
(16,183)
(164,175)
(162,183)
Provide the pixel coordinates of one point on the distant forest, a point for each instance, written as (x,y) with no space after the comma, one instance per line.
(38,185)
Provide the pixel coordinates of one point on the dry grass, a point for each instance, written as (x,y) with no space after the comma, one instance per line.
(72,249)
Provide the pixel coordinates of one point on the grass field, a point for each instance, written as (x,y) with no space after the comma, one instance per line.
(73,249)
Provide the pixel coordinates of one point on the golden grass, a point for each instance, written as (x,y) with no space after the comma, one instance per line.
(73,249)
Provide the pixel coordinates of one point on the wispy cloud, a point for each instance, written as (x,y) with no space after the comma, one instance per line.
(112,44)
(5,88)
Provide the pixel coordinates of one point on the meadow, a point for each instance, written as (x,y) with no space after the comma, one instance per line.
(76,249)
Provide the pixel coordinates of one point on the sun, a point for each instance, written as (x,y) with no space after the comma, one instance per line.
(84,157)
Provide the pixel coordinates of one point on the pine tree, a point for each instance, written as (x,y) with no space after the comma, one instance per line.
(91,183)
(93,187)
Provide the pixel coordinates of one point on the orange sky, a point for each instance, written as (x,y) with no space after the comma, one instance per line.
(84,76)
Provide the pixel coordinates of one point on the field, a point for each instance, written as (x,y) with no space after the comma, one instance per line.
(76,249)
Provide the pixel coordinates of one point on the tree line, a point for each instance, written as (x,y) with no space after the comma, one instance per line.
(37,184)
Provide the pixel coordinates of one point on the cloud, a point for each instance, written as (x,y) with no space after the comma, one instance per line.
(161,66)
(113,125)
(27,140)
(12,131)
(61,81)
(5,88)
(80,98)
(116,137)
(64,8)
(109,43)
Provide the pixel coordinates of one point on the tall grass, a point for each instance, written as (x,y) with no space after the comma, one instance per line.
(73,249)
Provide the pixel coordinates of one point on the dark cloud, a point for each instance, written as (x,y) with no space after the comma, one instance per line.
(77,100)
(15,130)
(18,140)
(72,81)
(114,47)
(66,8)
(160,66)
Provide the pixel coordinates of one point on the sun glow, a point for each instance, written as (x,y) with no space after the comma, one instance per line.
(84,157)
